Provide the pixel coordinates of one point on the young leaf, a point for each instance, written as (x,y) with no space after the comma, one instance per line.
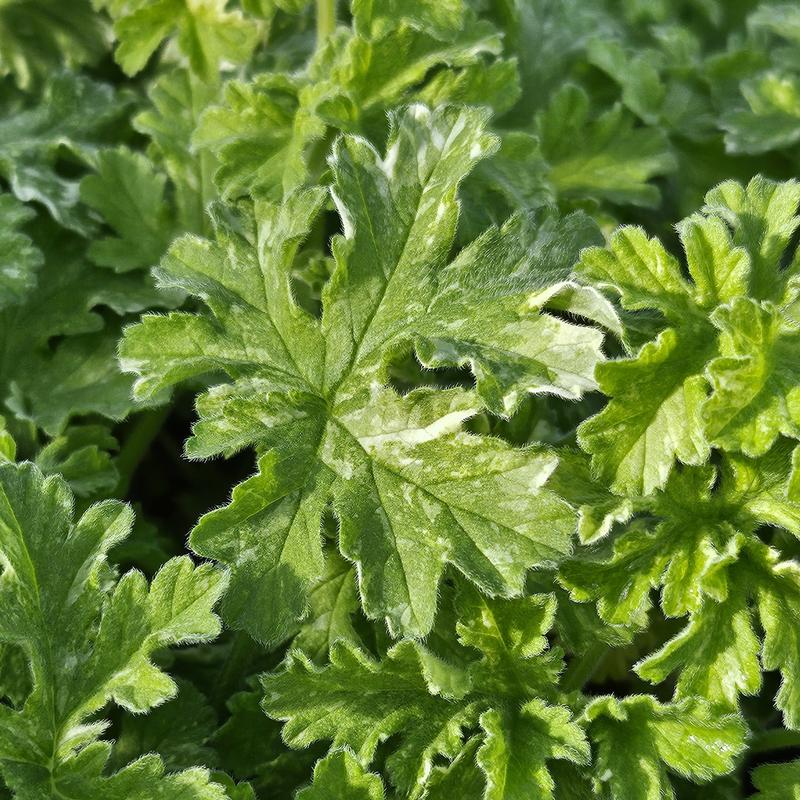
(639,741)
(658,412)
(89,641)
(340,775)
(207,33)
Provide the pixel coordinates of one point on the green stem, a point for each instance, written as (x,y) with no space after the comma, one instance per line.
(243,651)
(326,20)
(774,739)
(136,445)
(581,668)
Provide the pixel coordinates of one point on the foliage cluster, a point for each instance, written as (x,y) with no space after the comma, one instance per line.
(399,399)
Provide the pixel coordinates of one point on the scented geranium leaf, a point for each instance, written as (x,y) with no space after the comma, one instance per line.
(640,741)
(716,332)
(177,99)
(686,553)
(606,159)
(763,217)
(518,744)
(71,117)
(332,601)
(769,118)
(523,351)
(264,132)
(341,775)
(654,416)
(81,377)
(129,194)
(19,257)
(460,778)
(412,490)
(358,702)
(444,18)
(755,380)
(598,509)
(82,454)
(40,36)
(89,641)
(511,637)
(206,32)
(777,781)
(260,134)
(178,731)
(59,343)
(716,654)
(778,603)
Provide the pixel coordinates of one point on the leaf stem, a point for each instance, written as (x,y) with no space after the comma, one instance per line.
(774,739)
(136,445)
(582,667)
(326,20)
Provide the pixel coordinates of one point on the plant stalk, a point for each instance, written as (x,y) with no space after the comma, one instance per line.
(580,670)
(326,20)
(136,445)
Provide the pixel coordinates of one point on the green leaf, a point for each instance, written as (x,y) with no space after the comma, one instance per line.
(755,380)
(510,634)
(518,744)
(605,159)
(19,257)
(89,641)
(332,602)
(686,553)
(129,194)
(82,455)
(340,775)
(207,34)
(178,731)
(769,116)
(358,702)
(40,36)
(70,118)
(265,131)
(639,741)
(658,411)
(777,781)
(410,487)
(717,654)
(177,100)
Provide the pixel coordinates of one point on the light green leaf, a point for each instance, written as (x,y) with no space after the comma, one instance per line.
(207,34)
(518,744)
(777,781)
(640,741)
(716,653)
(658,411)
(340,775)
(511,637)
(755,380)
(265,131)
(89,641)
(177,99)
(410,487)
(358,702)
(332,602)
